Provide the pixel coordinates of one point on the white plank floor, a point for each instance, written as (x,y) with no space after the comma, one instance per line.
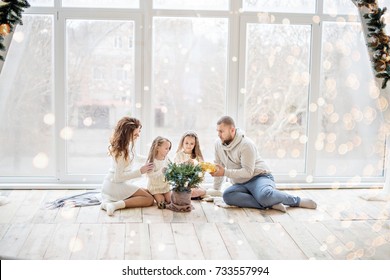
(344,227)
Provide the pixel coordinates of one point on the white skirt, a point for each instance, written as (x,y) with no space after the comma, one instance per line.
(112,191)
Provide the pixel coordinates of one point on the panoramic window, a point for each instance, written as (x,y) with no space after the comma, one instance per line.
(350,139)
(191,5)
(189,77)
(27,101)
(282,6)
(100,89)
(277,91)
(295,75)
(101,3)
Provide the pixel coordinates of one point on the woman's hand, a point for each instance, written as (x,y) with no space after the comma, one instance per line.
(147,168)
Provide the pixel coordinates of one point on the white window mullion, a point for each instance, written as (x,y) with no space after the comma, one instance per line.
(241,90)
(59,96)
(235,62)
(145,63)
(314,91)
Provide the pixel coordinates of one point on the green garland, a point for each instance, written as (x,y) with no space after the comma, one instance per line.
(184,176)
(10,15)
(378,41)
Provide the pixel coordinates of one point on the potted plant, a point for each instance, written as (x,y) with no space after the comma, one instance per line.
(183,177)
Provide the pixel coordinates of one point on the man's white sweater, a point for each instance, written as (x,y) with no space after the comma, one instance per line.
(240,159)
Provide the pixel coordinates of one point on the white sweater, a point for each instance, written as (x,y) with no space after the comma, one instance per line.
(156,183)
(240,159)
(122,170)
(181,157)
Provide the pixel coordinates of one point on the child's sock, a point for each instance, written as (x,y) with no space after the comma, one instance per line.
(279,207)
(307,203)
(103,206)
(111,207)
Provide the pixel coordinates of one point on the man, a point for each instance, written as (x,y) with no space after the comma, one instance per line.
(236,157)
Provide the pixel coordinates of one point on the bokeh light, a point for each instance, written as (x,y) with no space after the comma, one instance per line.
(66,133)
(41,160)
(49,119)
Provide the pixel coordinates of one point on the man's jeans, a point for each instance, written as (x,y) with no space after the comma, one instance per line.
(259,192)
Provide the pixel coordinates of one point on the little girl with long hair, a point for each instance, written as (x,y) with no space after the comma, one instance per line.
(189,151)
(158,155)
(119,190)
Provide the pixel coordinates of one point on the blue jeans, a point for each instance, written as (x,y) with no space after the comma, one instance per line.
(259,192)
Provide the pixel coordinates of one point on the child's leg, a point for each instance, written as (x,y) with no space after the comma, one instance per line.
(167,197)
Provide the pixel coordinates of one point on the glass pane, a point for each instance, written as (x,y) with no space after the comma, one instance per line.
(346,7)
(101,3)
(350,141)
(276,94)
(100,89)
(281,6)
(340,7)
(189,78)
(191,4)
(26,101)
(41,3)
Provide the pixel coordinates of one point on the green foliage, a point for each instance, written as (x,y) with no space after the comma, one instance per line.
(184,176)
(11,14)
(11,11)
(378,41)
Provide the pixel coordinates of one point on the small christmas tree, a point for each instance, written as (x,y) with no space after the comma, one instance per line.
(10,15)
(184,176)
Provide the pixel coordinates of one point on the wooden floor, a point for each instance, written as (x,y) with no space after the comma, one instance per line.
(344,226)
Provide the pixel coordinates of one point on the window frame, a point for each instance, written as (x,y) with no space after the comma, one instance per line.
(143,18)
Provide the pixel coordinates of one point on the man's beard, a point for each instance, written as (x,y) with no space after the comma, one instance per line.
(228,141)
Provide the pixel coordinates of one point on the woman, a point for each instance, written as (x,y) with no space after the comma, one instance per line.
(119,190)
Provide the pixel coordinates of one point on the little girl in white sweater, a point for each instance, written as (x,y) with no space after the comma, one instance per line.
(156,184)
(189,151)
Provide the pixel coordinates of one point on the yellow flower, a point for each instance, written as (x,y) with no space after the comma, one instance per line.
(208,167)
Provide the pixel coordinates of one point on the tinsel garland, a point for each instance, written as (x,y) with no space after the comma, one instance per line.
(378,41)
(10,16)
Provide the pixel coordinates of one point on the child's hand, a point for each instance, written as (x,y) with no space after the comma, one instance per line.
(147,168)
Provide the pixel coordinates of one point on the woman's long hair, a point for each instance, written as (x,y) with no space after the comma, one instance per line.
(196,153)
(122,136)
(157,142)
